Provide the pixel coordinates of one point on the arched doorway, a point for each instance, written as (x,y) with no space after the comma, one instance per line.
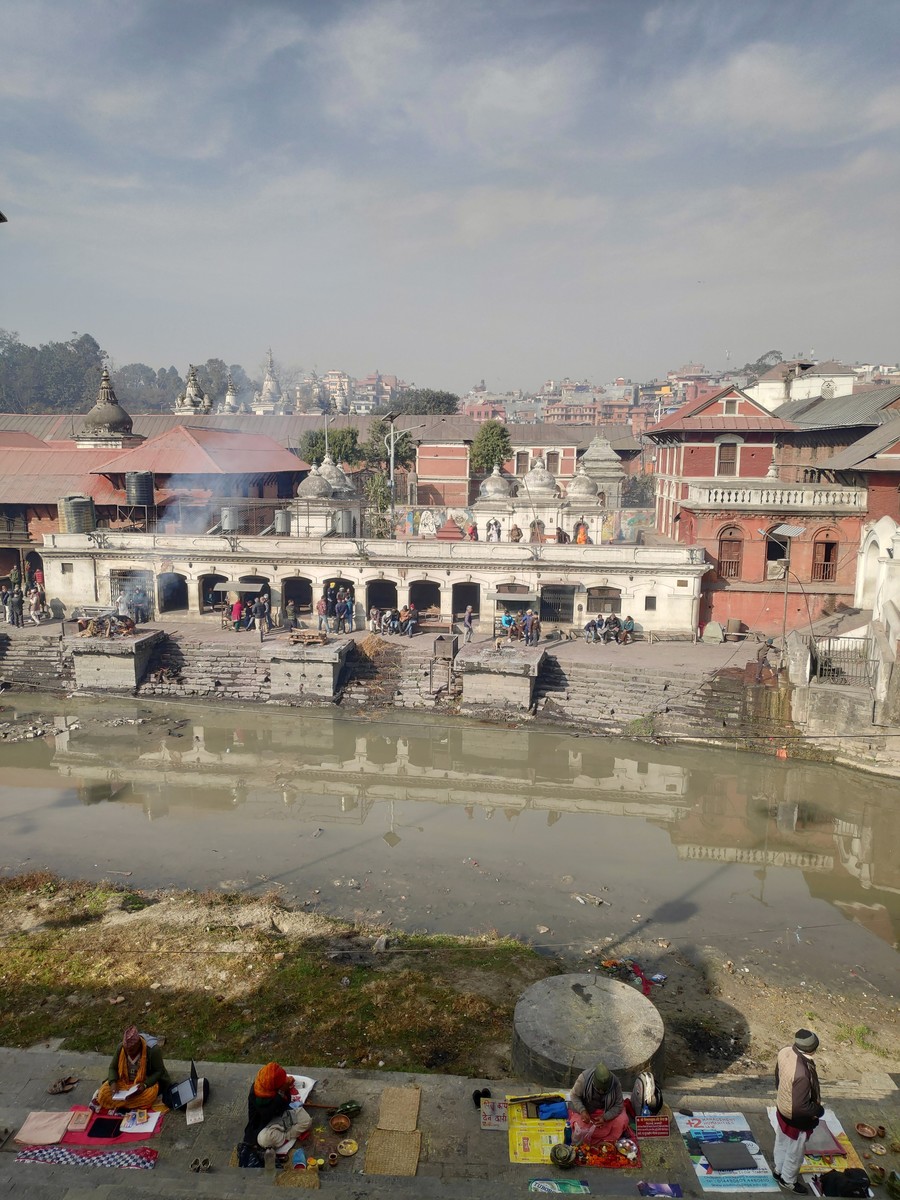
(300,590)
(172,592)
(330,589)
(465,594)
(33,564)
(425,593)
(209,599)
(9,558)
(381,593)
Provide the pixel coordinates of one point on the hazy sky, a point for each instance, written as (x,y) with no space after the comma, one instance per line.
(452,189)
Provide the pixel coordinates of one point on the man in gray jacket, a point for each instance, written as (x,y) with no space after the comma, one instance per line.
(797,1108)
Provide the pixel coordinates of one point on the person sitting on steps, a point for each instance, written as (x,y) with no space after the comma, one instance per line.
(135,1068)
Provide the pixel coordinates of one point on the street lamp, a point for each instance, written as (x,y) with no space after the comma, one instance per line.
(785,532)
(390,444)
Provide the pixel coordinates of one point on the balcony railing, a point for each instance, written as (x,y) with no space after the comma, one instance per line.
(765,494)
(824,572)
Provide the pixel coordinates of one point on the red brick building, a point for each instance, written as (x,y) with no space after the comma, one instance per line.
(729,475)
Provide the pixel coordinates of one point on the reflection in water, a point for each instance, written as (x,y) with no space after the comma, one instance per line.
(737,822)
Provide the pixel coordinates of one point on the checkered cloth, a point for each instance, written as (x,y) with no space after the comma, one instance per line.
(141,1158)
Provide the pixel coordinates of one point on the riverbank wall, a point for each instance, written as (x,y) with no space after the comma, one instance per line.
(727,706)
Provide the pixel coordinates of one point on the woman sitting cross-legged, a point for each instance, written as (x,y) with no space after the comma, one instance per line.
(270,1119)
(135,1065)
(597,1107)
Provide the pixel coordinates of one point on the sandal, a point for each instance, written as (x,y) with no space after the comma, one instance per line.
(195,1165)
(205,1165)
(62,1085)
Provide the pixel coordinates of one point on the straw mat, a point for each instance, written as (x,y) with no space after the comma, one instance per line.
(399,1108)
(297,1179)
(393,1152)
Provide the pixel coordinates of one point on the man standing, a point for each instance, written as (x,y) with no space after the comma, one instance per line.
(468,626)
(797,1108)
(322,613)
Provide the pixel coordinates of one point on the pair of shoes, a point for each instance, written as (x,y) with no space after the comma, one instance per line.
(479,1094)
(195,1166)
(798,1188)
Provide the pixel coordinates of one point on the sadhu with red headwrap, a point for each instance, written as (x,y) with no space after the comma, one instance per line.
(270,1119)
(134,1064)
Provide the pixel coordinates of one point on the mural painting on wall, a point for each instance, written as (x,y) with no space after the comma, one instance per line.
(425,522)
(625,524)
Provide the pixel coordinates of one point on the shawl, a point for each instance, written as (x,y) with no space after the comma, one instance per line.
(141,1073)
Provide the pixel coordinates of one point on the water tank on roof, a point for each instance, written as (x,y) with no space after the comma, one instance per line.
(230,520)
(139,487)
(282,522)
(77,515)
(342,522)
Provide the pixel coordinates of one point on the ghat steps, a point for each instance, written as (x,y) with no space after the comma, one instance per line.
(35,662)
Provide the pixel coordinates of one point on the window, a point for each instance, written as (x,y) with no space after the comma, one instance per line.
(553,462)
(731,546)
(649,604)
(522,462)
(824,560)
(67,568)
(727,464)
(776,556)
(729,408)
(604,600)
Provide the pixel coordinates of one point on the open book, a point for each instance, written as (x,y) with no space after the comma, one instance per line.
(126,1092)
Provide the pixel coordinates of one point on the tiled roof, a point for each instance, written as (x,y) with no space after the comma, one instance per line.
(863,453)
(832,412)
(695,416)
(48,489)
(201,451)
(288,430)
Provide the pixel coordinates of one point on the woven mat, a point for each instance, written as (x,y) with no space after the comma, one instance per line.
(393,1151)
(399,1108)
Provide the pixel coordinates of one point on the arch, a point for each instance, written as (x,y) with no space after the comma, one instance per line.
(870,574)
(299,589)
(381,593)
(9,558)
(465,594)
(425,593)
(33,563)
(730,552)
(206,597)
(172,592)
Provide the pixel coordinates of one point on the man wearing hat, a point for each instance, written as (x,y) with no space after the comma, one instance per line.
(597,1107)
(797,1108)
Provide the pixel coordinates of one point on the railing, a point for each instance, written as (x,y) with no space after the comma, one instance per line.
(748,494)
(850,661)
(729,568)
(824,572)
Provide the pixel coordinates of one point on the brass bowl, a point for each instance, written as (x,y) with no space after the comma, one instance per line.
(340,1122)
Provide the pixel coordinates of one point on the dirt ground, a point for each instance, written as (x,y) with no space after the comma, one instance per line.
(221,977)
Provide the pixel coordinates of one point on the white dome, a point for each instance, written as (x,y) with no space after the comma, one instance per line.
(539,481)
(582,487)
(495,487)
(315,486)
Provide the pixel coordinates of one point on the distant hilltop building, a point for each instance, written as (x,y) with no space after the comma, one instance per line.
(269,399)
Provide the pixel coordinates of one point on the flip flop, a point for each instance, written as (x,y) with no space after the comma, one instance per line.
(61,1085)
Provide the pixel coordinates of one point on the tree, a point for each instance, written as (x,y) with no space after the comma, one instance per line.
(378,503)
(764,363)
(213,378)
(639,491)
(422,402)
(342,443)
(376,454)
(492,446)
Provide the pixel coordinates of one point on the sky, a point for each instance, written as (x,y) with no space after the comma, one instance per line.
(451,190)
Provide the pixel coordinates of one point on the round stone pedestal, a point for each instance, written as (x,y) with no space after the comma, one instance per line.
(567,1023)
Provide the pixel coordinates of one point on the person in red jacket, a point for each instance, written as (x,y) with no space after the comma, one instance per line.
(798,1108)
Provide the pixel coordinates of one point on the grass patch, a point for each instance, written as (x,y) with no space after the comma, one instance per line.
(861,1036)
(226,976)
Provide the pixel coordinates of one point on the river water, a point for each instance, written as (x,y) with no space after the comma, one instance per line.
(442,825)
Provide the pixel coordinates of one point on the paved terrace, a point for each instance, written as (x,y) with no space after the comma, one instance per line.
(458,1159)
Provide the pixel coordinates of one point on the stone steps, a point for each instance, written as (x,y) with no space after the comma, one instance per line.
(35,661)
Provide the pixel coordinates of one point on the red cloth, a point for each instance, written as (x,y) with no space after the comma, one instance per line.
(79,1137)
(586,1131)
(789,1130)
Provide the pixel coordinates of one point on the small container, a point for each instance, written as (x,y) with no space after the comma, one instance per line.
(340,1122)
(881,1131)
(269,1158)
(333,1159)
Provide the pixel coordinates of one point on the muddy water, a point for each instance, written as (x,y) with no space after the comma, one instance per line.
(447,826)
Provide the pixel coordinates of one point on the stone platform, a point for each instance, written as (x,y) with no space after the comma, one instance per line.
(566,1023)
(116,664)
(501,678)
(305,672)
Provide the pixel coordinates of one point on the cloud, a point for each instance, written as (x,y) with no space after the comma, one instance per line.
(779,93)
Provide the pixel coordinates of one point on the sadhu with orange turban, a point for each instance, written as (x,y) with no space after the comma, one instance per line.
(134,1065)
(270,1119)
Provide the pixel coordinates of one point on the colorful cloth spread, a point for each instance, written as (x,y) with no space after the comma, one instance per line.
(83,1137)
(814,1164)
(140,1159)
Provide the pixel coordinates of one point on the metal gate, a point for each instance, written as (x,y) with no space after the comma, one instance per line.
(131,583)
(845,660)
(558,604)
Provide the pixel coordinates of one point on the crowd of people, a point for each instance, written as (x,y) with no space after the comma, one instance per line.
(31,599)
(609,629)
(519,627)
(252,614)
(134,605)
(403,621)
